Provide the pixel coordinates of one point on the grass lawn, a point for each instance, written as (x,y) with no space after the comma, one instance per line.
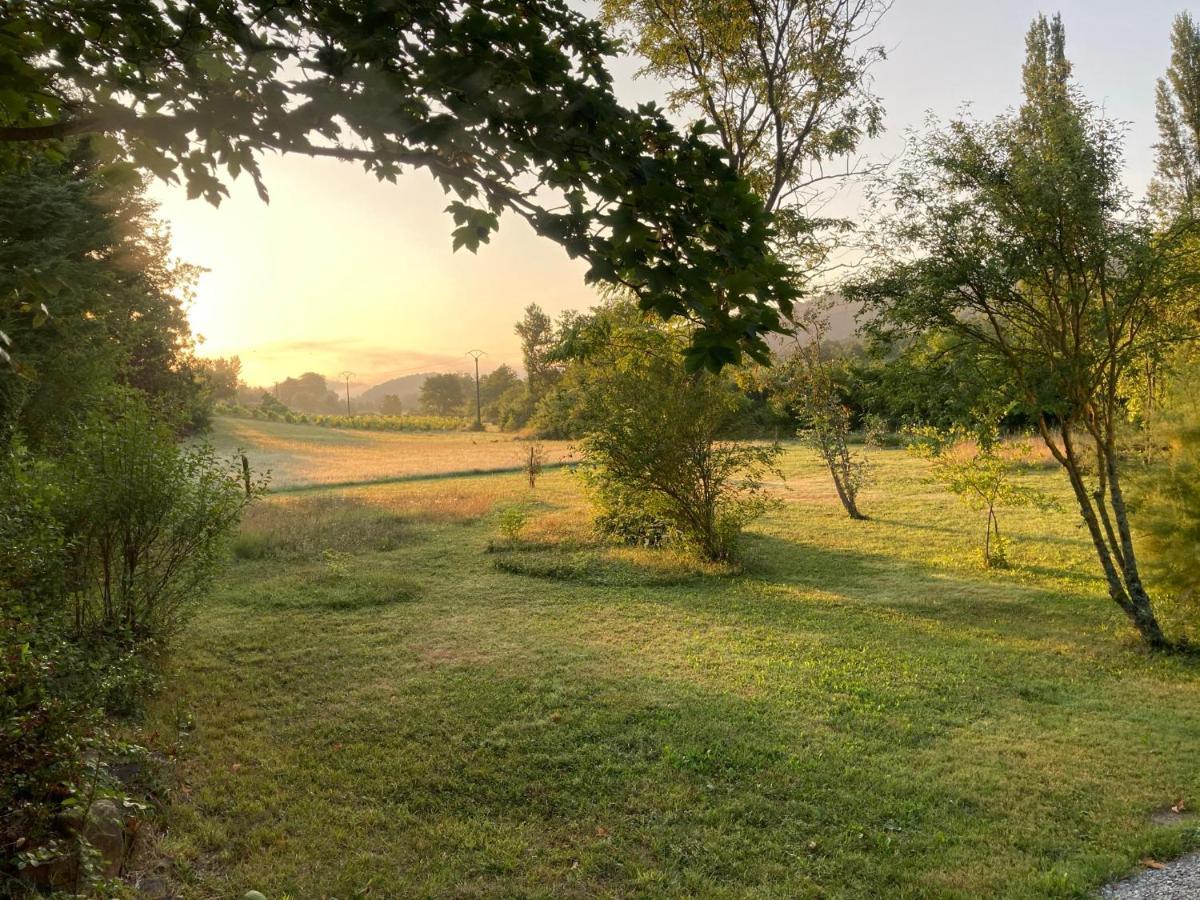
(375,705)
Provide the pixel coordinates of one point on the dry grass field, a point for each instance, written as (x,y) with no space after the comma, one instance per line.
(307,455)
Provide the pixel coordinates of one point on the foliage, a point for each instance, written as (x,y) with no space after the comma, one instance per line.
(983,472)
(654,434)
(101,551)
(786,85)
(444,395)
(929,379)
(1177,110)
(538,340)
(511,521)
(147,520)
(507,104)
(1167,511)
(221,378)
(391,405)
(366,422)
(1017,236)
(876,433)
(494,387)
(309,393)
(82,246)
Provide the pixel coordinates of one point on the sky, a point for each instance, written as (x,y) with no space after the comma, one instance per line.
(341,272)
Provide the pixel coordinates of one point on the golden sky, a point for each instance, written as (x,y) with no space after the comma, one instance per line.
(343,272)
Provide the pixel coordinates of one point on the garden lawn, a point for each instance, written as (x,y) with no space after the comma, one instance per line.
(375,705)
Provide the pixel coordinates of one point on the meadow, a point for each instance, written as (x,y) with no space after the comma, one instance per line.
(300,456)
(388,697)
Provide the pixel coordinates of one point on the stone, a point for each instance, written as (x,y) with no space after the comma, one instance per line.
(104,829)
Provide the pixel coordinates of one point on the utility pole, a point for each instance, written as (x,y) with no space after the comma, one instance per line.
(347,376)
(478,413)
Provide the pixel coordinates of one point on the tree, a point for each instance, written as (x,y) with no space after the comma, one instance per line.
(785,84)
(309,393)
(222,377)
(92,298)
(538,340)
(976,467)
(391,405)
(1177,110)
(1018,236)
(507,103)
(444,395)
(656,447)
(805,386)
(494,386)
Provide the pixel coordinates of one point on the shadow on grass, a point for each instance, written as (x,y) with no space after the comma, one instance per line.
(854,585)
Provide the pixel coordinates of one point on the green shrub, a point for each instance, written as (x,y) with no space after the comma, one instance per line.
(1167,499)
(629,517)
(656,435)
(147,519)
(511,521)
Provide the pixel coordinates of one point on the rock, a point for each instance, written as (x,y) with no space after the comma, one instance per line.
(105,831)
(103,828)
(253,895)
(154,887)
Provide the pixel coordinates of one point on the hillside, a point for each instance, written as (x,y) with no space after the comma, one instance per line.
(406,387)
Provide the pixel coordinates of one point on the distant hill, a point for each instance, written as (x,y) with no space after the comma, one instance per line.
(843,326)
(406,387)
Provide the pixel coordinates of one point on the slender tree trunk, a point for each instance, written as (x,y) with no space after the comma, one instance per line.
(1116,554)
(1143,611)
(848,502)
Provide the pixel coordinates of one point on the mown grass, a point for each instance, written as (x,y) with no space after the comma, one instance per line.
(308,455)
(383,708)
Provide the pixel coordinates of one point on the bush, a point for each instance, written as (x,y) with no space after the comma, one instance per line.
(512,521)
(629,517)
(656,435)
(41,730)
(148,519)
(101,554)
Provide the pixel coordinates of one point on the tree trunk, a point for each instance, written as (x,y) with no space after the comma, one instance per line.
(1116,555)
(848,502)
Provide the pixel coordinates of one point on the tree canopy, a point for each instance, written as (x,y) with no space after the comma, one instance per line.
(507,103)
(1018,236)
(786,86)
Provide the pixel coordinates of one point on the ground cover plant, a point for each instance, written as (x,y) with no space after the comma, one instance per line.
(377,705)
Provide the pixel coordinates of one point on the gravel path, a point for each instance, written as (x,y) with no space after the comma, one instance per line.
(1178,880)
